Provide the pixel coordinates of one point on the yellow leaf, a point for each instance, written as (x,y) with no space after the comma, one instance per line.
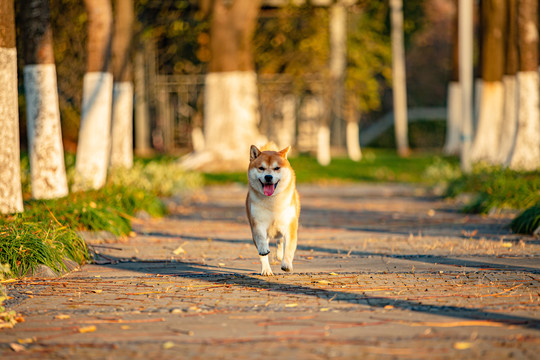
(462,345)
(291,305)
(507,244)
(324,282)
(97,291)
(179,250)
(389,307)
(26,341)
(324,309)
(168,345)
(61,316)
(125,327)
(332,273)
(87,329)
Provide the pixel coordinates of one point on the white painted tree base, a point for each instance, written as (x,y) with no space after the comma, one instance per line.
(323,146)
(122,125)
(526,151)
(453,119)
(10,162)
(231,117)
(353,141)
(47,167)
(485,142)
(509,122)
(94,135)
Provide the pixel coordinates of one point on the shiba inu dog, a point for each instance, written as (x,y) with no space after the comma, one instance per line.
(272,205)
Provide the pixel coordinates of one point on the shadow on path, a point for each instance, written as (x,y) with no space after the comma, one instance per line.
(214,274)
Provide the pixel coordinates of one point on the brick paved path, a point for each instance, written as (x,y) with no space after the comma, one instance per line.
(381,272)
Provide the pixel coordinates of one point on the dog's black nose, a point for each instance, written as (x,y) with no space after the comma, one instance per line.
(268,178)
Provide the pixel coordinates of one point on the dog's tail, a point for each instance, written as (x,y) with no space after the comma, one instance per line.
(269,146)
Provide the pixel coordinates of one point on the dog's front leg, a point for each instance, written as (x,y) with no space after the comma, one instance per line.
(261,241)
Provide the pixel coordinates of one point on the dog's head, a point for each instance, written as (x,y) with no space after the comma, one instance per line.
(269,172)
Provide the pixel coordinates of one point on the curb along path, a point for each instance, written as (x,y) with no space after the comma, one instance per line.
(381,271)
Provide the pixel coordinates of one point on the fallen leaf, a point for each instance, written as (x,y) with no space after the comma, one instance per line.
(389,307)
(507,244)
(179,250)
(332,273)
(324,309)
(17,347)
(221,264)
(97,291)
(125,327)
(462,345)
(26,341)
(87,329)
(62,316)
(291,305)
(168,345)
(324,282)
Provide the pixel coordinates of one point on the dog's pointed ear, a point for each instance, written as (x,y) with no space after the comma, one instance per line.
(283,153)
(254,153)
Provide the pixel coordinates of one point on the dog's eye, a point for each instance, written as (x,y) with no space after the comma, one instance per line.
(276,168)
(261,168)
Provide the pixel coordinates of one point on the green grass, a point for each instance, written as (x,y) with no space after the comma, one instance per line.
(497,189)
(26,244)
(378,165)
(45,233)
(528,221)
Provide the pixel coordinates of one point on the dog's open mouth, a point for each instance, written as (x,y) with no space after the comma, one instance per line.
(269,189)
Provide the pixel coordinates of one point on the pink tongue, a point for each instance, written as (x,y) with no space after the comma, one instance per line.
(268,189)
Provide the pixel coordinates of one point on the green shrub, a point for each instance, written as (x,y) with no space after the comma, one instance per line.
(528,221)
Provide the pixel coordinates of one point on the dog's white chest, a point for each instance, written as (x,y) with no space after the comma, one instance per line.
(271,215)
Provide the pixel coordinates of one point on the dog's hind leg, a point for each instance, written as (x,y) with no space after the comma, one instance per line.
(280,248)
(289,247)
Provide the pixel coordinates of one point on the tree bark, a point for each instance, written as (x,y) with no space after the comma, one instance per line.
(45,147)
(399,78)
(338,65)
(491,102)
(122,108)
(453,104)
(526,151)
(93,149)
(142,117)
(465,33)
(510,104)
(353,133)
(231,113)
(10,175)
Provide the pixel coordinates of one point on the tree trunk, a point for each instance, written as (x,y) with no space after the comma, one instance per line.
(399,78)
(510,106)
(453,104)
(491,107)
(142,117)
(10,175)
(465,33)
(93,149)
(231,110)
(122,108)
(46,152)
(353,133)
(338,64)
(526,151)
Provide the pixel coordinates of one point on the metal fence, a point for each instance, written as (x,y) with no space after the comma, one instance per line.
(291,111)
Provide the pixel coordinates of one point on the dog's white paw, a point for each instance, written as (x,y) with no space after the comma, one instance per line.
(267,272)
